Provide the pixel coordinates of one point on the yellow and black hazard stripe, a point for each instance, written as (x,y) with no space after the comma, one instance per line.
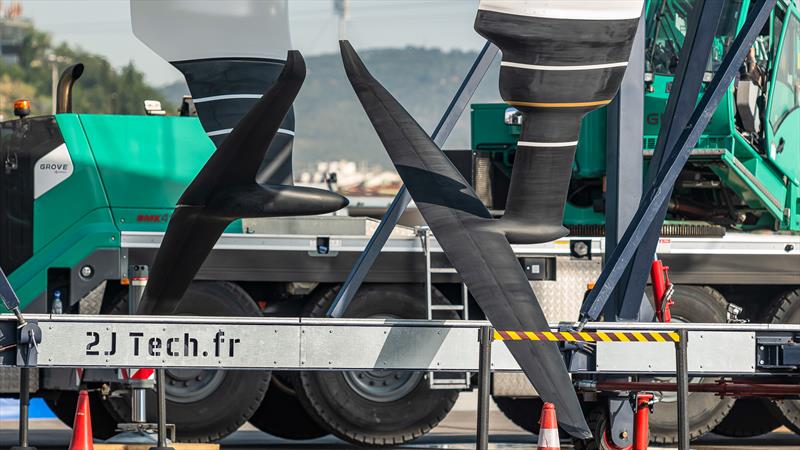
(587,336)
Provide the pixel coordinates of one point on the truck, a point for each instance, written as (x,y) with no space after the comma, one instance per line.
(87,196)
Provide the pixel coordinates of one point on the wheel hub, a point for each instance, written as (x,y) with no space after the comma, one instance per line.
(191,385)
(383,385)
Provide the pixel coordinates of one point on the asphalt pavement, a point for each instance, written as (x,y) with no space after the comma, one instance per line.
(457,431)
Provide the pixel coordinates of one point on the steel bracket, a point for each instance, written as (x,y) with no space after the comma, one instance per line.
(621,411)
(28,340)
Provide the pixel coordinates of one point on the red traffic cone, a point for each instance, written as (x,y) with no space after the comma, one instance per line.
(548,429)
(82,428)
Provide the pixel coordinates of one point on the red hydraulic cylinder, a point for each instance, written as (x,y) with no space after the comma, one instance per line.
(659,274)
(641,425)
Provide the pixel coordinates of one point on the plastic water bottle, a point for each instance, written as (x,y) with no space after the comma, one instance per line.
(58,306)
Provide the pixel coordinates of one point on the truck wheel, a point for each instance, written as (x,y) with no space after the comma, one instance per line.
(749,417)
(524,412)
(281,413)
(706,411)
(207,405)
(376,408)
(64,403)
(786,309)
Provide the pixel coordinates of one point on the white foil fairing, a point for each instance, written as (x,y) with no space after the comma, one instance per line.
(181,30)
(567,9)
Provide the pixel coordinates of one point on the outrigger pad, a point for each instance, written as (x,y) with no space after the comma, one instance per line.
(226,190)
(465,230)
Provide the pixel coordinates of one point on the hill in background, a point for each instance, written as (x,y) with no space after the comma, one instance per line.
(331,124)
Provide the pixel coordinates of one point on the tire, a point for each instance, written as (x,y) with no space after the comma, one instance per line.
(597,419)
(524,412)
(749,417)
(64,403)
(352,405)
(692,304)
(281,413)
(207,405)
(786,309)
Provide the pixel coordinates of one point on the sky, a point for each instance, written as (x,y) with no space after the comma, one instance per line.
(103,27)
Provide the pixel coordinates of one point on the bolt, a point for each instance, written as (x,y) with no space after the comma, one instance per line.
(198,378)
(87,271)
(186,383)
(623,435)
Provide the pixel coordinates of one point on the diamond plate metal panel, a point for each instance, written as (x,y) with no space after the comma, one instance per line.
(561,299)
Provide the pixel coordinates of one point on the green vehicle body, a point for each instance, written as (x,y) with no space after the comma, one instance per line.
(765,177)
(128,171)
(127,174)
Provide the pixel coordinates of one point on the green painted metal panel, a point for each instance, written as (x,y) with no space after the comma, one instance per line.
(71,200)
(93,231)
(146,162)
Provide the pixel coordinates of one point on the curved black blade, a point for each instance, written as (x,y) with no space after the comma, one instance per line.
(237,159)
(226,189)
(464,229)
(190,236)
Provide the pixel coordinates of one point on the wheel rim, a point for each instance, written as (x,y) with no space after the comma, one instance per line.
(382,386)
(189,385)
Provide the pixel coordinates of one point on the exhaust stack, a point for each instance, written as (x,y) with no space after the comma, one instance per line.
(64,90)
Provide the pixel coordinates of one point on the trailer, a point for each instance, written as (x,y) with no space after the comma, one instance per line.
(755,359)
(77,260)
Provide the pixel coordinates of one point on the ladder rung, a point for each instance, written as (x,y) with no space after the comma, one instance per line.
(447,307)
(443,270)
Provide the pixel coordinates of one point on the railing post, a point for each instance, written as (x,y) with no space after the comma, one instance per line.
(484,386)
(24,408)
(682,374)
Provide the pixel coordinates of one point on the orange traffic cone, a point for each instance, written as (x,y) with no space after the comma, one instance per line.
(548,429)
(82,428)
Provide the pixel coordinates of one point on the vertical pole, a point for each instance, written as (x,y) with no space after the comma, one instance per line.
(54,82)
(624,168)
(484,374)
(426,235)
(24,408)
(682,373)
(138,281)
(162,412)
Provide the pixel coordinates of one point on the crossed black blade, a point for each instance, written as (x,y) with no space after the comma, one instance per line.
(226,190)
(466,232)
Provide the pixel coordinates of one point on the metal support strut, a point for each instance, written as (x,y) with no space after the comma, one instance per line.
(484,371)
(682,375)
(674,160)
(162,412)
(24,404)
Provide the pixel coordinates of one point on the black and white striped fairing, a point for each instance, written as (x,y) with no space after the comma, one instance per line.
(224,90)
(561,60)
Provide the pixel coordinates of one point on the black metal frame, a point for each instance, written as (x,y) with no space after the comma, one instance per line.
(673,154)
